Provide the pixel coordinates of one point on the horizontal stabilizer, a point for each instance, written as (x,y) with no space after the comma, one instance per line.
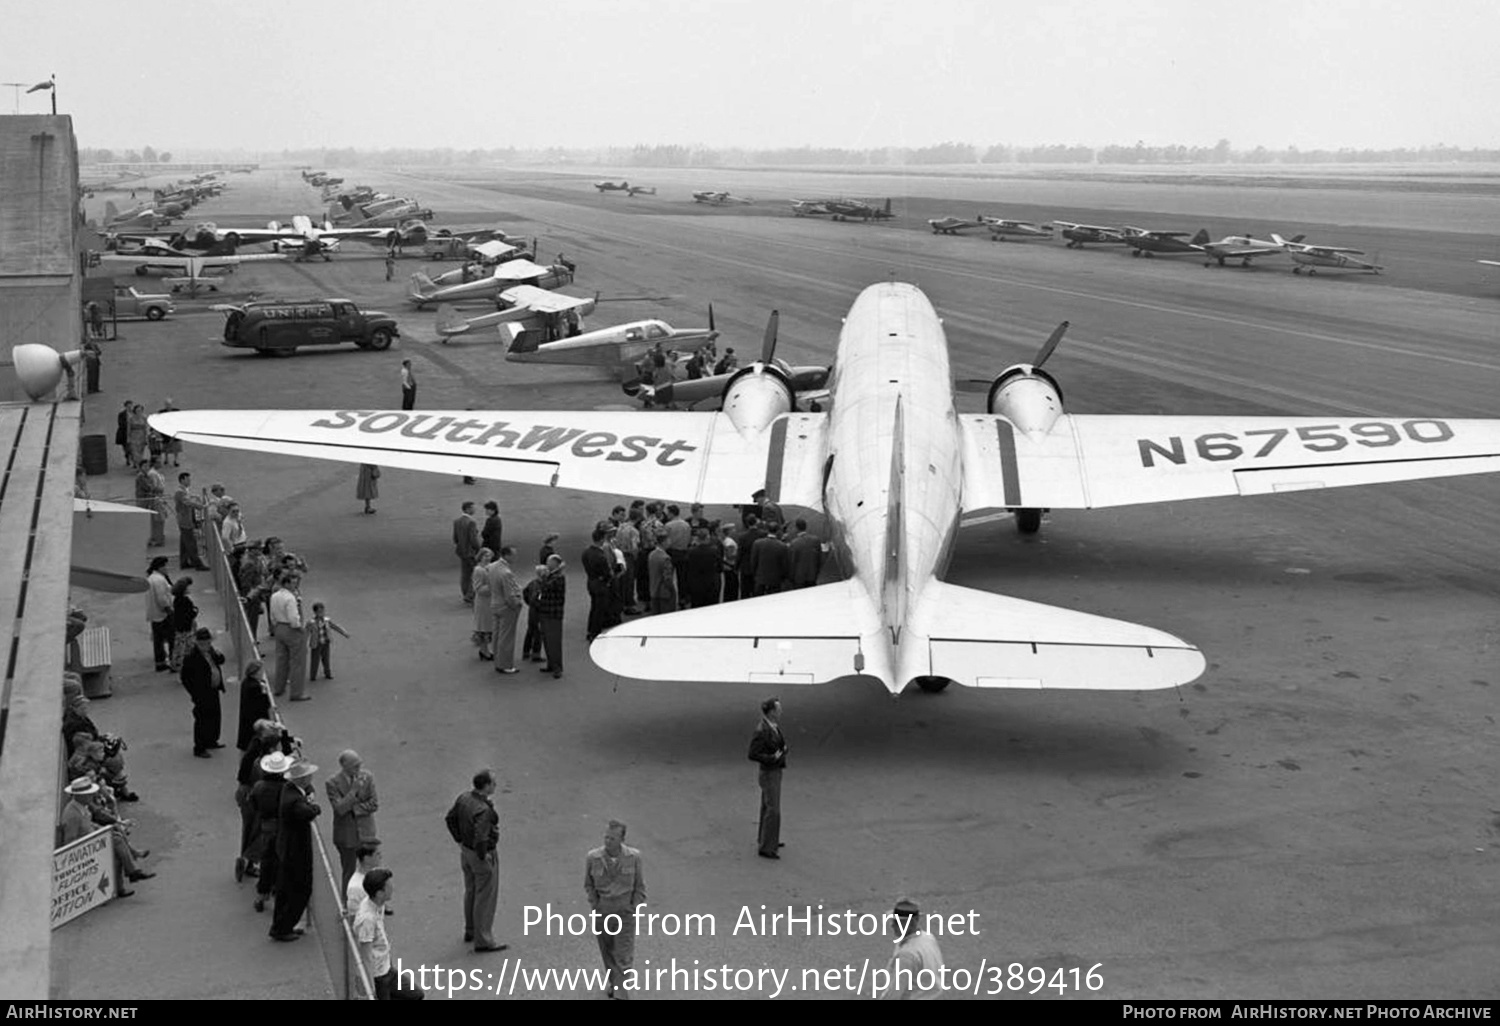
(806,636)
(982,640)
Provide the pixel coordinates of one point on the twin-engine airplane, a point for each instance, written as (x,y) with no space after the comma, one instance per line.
(1142,241)
(424,291)
(616,349)
(808,384)
(1079,235)
(1334,257)
(894,467)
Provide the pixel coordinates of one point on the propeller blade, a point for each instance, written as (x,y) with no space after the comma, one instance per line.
(711,319)
(768,345)
(1051,344)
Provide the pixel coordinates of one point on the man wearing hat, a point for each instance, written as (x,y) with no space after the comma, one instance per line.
(916,966)
(77,820)
(265,800)
(203,678)
(294,847)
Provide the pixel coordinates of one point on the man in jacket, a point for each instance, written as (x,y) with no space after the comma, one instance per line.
(768,748)
(551,598)
(505,605)
(806,554)
(466,547)
(770,563)
(204,680)
(159,612)
(351,795)
(491,535)
(294,849)
(615,884)
(600,571)
(663,580)
(475,825)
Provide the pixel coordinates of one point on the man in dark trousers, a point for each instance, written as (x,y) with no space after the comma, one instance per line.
(768,748)
(752,533)
(294,851)
(475,825)
(491,533)
(204,682)
(770,564)
(551,598)
(806,551)
(408,386)
(599,568)
(466,547)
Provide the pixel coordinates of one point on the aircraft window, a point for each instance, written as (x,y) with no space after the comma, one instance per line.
(655,331)
(634,335)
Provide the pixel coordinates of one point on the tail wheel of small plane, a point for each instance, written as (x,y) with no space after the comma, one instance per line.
(932,685)
(380,339)
(1028,521)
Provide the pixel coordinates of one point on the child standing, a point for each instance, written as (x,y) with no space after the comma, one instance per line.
(321,641)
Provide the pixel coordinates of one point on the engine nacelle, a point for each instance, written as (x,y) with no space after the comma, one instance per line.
(757,395)
(1028,397)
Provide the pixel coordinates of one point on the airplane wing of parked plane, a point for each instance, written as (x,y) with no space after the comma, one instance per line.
(698,456)
(1090,461)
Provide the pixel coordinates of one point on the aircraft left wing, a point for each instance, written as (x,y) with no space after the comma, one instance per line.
(541,301)
(1092,461)
(692,456)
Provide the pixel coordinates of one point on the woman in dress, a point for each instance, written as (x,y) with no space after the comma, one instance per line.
(484,624)
(368,487)
(184,620)
(137,434)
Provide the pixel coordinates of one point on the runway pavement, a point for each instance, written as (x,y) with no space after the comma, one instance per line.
(1310,818)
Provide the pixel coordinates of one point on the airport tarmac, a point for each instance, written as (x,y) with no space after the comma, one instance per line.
(1311,818)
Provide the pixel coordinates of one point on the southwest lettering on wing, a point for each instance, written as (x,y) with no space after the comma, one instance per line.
(503,434)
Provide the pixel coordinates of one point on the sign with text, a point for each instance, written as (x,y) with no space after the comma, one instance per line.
(83,876)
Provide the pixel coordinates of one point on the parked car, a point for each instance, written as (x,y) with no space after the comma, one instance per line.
(130,302)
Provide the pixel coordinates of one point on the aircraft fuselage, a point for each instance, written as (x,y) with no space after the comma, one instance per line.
(894,488)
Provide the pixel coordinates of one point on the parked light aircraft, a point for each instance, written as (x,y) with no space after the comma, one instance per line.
(851,210)
(425,292)
(718,199)
(484,256)
(810,208)
(156,255)
(1080,234)
(953,225)
(528,308)
(1314,257)
(626,188)
(894,467)
(140,216)
(809,385)
(389,215)
(1002,228)
(1141,241)
(1243,248)
(616,349)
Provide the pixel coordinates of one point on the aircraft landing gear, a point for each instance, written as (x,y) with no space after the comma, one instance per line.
(1028,521)
(932,685)
(1135,252)
(1297,270)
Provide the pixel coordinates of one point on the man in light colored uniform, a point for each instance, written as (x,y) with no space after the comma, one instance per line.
(916,966)
(615,885)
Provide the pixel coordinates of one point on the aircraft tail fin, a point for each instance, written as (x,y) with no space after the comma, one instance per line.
(110,211)
(805,636)
(1201,238)
(422,286)
(983,640)
(1298,238)
(450,321)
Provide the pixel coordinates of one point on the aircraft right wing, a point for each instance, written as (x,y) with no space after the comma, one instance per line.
(694,457)
(1093,461)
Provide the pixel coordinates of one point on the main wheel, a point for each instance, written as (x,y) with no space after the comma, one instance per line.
(932,685)
(380,339)
(140,270)
(155,313)
(1028,521)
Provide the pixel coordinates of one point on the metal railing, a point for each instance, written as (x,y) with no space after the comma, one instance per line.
(326,910)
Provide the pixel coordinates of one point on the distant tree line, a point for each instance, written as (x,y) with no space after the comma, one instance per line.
(946,153)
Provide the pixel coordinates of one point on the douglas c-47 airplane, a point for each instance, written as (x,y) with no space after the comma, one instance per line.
(893,467)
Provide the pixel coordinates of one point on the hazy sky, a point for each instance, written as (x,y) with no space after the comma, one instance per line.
(269,74)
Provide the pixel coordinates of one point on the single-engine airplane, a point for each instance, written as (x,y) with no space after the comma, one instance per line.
(1335,257)
(424,291)
(1150,243)
(140,216)
(1243,248)
(1079,235)
(616,349)
(719,199)
(954,225)
(894,467)
(1002,228)
(155,255)
(810,208)
(526,307)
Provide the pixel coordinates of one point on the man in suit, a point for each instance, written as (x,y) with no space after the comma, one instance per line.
(599,569)
(768,748)
(466,546)
(490,536)
(752,533)
(294,850)
(351,795)
(204,680)
(806,552)
(770,564)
